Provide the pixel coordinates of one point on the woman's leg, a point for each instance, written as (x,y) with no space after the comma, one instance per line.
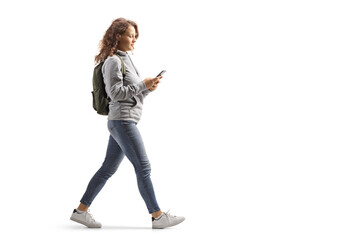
(129,139)
(114,156)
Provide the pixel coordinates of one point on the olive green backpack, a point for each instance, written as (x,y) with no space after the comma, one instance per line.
(100,98)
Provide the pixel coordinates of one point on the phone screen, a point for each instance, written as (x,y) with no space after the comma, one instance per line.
(161,73)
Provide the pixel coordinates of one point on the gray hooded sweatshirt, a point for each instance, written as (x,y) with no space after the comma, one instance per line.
(127,92)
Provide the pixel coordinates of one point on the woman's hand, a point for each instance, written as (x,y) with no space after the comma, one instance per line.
(152,83)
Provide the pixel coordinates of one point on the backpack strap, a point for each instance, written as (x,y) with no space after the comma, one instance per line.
(123,70)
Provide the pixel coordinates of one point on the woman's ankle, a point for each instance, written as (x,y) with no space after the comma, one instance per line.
(82,207)
(156,214)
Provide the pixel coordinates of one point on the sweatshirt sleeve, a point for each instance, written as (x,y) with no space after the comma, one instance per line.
(146,92)
(114,83)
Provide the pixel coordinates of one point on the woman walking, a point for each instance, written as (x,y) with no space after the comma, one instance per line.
(126,93)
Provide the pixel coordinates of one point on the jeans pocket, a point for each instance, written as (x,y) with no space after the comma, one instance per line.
(124,122)
(111,124)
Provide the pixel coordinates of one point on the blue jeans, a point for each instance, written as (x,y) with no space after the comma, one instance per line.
(125,139)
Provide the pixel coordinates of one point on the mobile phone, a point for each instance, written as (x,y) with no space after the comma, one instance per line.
(161,73)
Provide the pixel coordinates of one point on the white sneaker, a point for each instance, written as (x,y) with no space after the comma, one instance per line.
(85,218)
(166,220)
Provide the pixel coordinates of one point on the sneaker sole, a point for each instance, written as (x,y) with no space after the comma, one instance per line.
(83,223)
(174,224)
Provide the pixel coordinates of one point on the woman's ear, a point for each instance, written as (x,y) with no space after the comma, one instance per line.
(118,36)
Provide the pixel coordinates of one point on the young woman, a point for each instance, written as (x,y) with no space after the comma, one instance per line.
(126,94)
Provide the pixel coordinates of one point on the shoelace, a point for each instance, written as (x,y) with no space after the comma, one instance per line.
(168,214)
(91,218)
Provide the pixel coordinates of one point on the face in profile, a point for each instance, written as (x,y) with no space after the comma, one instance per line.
(127,39)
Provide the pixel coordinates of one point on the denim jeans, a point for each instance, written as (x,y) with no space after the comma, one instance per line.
(125,139)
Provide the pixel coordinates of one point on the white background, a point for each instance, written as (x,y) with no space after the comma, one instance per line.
(252,134)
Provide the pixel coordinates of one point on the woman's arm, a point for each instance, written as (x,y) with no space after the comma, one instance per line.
(114,83)
(146,92)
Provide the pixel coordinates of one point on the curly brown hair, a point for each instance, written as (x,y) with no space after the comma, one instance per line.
(109,44)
